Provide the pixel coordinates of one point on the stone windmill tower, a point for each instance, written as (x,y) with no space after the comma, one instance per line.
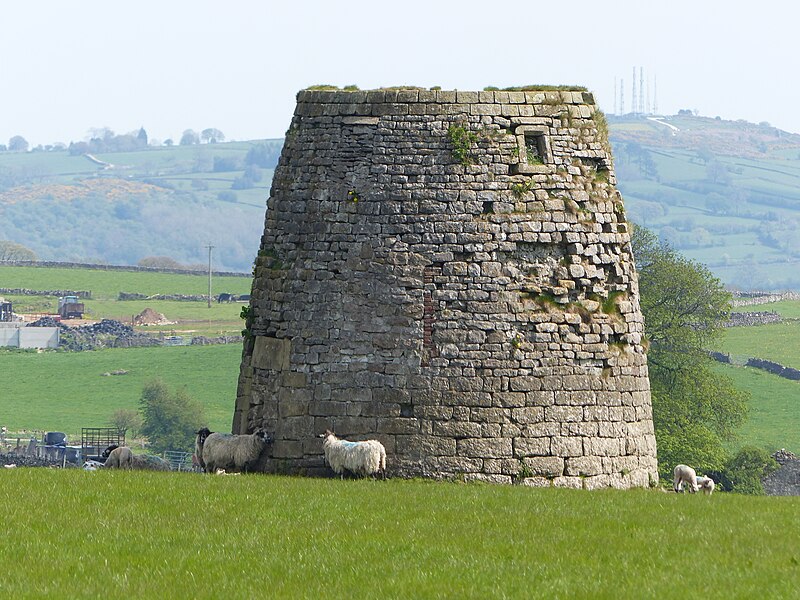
(451,273)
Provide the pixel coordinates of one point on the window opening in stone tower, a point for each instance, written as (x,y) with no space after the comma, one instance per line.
(534,149)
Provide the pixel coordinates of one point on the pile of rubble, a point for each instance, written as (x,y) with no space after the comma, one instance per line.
(783,456)
(150,317)
(18,460)
(108,333)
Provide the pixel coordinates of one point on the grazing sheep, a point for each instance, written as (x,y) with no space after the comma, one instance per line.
(360,458)
(233,452)
(706,484)
(684,474)
(198,446)
(121,457)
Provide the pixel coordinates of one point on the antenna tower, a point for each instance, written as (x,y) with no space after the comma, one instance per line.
(655,94)
(634,104)
(641,90)
(622,96)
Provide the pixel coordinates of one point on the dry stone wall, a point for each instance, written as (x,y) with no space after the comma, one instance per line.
(451,273)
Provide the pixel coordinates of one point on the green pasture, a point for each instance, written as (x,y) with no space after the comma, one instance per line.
(65,391)
(788,309)
(776,342)
(76,533)
(106,285)
(774,418)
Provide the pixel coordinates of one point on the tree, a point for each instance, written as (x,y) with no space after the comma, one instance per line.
(142,137)
(189,138)
(160,262)
(18,144)
(127,420)
(12,251)
(746,470)
(695,409)
(212,136)
(169,419)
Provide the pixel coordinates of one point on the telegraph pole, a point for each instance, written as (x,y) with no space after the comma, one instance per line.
(210,248)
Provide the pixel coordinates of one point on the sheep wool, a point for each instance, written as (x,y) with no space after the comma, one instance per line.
(706,484)
(121,457)
(360,458)
(233,452)
(684,474)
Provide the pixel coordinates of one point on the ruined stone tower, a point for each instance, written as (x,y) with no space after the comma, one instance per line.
(451,273)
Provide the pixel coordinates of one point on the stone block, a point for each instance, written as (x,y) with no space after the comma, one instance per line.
(271,353)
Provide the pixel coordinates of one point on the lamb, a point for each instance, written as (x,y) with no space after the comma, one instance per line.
(706,484)
(684,474)
(121,457)
(232,452)
(360,458)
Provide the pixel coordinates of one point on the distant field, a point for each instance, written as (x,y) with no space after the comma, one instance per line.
(774,420)
(776,342)
(788,309)
(106,285)
(65,391)
(193,536)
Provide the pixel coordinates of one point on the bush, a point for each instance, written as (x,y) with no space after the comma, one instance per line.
(169,419)
(746,470)
(227,196)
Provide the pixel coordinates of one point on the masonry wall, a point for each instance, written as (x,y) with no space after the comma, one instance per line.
(450,273)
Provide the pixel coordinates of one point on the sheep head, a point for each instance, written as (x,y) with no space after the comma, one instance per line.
(107,452)
(263,435)
(202,434)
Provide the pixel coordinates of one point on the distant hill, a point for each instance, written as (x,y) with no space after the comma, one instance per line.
(726,193)
(157,201)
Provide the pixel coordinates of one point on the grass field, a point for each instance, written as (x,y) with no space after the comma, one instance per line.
(65,391)
(774,419)
(788,309)
(165,535)
(106,285)
(776,342)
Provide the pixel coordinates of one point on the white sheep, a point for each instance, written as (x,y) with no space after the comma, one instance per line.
(360,458)
(232,452)
(122,457)
(706,484)
(684,474)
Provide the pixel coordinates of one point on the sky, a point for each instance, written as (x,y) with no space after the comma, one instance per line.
(170,65)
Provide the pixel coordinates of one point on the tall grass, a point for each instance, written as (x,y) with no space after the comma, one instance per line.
(164,535)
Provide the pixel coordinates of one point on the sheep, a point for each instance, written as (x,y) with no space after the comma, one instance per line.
(706,484)
(360,458)
(121,457)
(198,446)
(684,474)
(233,452)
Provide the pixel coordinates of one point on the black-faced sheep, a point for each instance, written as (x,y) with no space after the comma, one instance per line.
(199,441)
(360,458)
(684,474)
(233,452)
(121,457)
